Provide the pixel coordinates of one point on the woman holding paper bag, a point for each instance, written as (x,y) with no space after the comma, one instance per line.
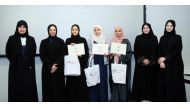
(52,51)
(171,72)
(120,91)
(145,50)
(76,87)
(99,92)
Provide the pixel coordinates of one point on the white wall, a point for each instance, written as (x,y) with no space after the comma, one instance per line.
(158,15)
(187,86)
(39,17)
(3,79)
(129,17)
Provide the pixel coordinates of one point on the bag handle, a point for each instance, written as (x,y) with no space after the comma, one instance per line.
(119,60)
(90,61)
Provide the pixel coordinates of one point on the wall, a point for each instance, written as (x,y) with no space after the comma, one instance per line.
(157,17)
(39,17)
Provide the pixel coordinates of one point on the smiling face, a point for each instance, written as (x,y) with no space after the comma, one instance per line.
(146,29)
(169,27)
(118,32)
(75,30)
(52,31)
(22,29)
(97,31)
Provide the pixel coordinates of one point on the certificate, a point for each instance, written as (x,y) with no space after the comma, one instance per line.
(118,48)
(100,49)
(77,49)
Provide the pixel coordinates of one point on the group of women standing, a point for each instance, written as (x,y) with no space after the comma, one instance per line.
(158,70)
(159,66)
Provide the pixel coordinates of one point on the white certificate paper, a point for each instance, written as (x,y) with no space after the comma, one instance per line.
(118,48)
(77,49)
(100,49)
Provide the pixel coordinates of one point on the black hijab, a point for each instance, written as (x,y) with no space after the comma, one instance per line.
(151,33)
(19,24)
(49,29)
(173,32)
(75,38)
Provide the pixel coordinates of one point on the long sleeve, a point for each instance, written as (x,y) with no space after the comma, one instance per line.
(128,52)
(85,57)
(33,51)
(33,47)
(66,47)
(60,57)
(137,52)
(126,59)
(176,51)
(160,54)
(9,49)
(154,54)
(43,54)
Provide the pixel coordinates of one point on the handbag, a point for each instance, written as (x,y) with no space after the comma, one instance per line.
(119,73)
(72,66)
(92,74)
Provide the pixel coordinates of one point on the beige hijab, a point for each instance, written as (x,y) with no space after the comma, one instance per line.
(117,39)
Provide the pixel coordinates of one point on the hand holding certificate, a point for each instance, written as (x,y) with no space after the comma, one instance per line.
(100,49)
(118,48)
(76,49)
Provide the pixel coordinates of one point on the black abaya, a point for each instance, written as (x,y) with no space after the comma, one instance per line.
(52,51)
(22,80)
(171,80)
(144,83)
(76,87)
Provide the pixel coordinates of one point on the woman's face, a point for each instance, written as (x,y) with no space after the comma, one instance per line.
(22,29)
(75,30)
(97,31)
(52,31)
(146,29)
(169,27)
(118,32)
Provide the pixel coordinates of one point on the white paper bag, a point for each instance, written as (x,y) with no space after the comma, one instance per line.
(119,73)
(92,74)
(72,65)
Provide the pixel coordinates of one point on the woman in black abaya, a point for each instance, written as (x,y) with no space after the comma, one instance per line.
(20,50)
(52,51)
(145,51)
(76,87)
(171,71)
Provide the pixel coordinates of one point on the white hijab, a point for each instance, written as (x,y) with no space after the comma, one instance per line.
(98,39)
